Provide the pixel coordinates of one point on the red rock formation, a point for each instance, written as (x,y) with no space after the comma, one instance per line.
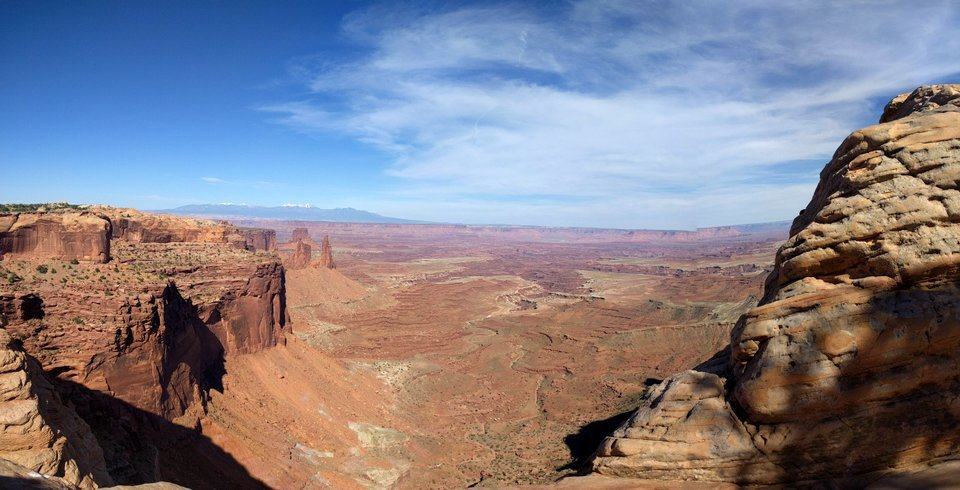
(326,254)
(850,365)
(60,235)
(301,256)
(141,342)
(260,239)
(134,226)
(300,234)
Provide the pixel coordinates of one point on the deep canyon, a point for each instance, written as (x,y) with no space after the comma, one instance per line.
(140,347)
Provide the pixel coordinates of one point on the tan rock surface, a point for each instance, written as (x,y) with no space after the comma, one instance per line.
(850,364)
(39,432)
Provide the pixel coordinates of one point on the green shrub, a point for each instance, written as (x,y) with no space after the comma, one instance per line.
(74,261)
(42,268)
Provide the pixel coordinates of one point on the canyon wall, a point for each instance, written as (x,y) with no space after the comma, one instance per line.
(136,345)
(850,365)
(135,226)
(260,239)
(66,235)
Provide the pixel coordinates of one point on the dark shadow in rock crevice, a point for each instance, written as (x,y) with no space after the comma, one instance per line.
(141,447)
(584,443)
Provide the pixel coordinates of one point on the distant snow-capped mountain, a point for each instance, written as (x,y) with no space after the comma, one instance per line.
(304,212)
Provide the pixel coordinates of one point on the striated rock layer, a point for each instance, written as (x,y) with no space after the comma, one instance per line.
(850,365)
(136,345)
(61,235)
(39,432)
(260,239)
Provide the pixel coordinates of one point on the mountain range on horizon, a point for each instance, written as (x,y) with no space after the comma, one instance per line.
(286,212)
(353,215)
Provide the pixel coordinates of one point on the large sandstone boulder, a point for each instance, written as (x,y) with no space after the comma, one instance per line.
(850,365)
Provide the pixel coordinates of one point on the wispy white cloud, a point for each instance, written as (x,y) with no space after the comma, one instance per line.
(618,113)
(213,180)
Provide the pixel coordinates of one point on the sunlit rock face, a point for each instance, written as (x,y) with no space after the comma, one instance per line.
(850,365)
(62,235)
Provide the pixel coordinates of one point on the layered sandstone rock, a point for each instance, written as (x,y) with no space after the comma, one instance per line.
(60,235)
(136,345)
(850,365)
(301,256)
(300,234)
(39,432)
(260,239)
(135,226)
(326,254)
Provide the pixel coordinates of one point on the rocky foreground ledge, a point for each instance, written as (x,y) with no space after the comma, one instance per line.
(850,365)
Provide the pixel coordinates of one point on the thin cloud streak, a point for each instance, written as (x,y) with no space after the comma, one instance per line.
(643,114)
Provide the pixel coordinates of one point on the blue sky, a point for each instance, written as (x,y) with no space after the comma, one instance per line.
(614,114)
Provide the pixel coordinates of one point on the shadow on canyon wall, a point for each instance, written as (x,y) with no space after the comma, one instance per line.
(141,447)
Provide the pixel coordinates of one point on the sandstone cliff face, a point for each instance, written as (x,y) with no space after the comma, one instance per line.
(326,254)
(300,234)
(39,432)
(136,345)
(65,236)
(260,239)
(301,256)
(135,226)
(851,363)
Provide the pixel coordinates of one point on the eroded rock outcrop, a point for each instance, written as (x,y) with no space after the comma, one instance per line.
(326,254)
(61,235)
(300,234)
(301,256)
(39,432)
(260,239)
(136,345)
(850,365)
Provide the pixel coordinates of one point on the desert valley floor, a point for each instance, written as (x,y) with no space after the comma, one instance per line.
(437,358)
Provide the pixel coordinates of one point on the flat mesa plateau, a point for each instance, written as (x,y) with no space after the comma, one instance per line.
(502,359)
